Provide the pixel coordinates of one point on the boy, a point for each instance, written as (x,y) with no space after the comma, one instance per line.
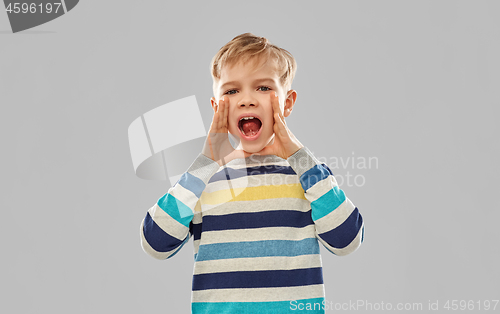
(256,212)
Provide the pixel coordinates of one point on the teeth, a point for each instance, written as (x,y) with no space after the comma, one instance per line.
(247,118)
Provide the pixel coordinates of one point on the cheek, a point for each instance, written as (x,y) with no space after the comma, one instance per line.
(270,116)
(233,127)
(232,124)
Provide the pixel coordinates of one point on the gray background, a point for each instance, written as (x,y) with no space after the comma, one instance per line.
(414,84)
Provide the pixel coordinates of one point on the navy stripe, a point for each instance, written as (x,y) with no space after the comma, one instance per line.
(326,167)
(363,234)
(258,279)
(195,230)
(341,236)
(257,249)
(230,173)
(271,218)
(158,239)
(180,247)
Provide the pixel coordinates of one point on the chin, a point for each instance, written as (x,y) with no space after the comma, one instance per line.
(255,146)
(253,150)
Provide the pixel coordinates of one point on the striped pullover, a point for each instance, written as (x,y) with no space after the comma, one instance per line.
(256,223)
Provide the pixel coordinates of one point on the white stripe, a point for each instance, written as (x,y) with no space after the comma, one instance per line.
(256,161)
(167,223)
(196,244)
(197,215)
(353,246)
(256,206)
(253,181)
(258,263)
(258,234)
(184,195)
(259,294)
(203,168)
(302,161)
(335,218)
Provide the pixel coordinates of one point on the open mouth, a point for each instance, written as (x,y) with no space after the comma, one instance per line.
(250,126)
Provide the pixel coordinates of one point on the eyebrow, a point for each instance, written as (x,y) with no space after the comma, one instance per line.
(254,82)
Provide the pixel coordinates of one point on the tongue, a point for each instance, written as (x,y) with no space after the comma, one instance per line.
(250,127)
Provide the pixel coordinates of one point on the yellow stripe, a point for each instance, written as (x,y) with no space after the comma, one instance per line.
(253,193)
(197,207)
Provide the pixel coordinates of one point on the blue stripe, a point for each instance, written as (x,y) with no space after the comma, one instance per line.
(157,238)
(176,209)
(327,203)
(316,306)
(257,249)
(230,173)
(258,279)
(341,236)
(192,183)
(313,176)
(271,218)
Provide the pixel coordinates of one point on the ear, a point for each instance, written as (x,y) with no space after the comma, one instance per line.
(214,104)
(291,97)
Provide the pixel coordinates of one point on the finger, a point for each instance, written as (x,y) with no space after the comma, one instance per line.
(226,113)
(278,117)
(215,119)
(220,121)
(210,146)
(276,104)
(278,120)
(280,126)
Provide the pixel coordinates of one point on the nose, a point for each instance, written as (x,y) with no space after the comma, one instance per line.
(247,99)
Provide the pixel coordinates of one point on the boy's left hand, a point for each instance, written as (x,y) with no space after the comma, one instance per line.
(285,143)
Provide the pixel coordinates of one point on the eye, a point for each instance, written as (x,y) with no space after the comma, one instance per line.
(229,92)
(268,88)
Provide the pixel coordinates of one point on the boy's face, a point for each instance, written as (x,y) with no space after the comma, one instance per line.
(248,87)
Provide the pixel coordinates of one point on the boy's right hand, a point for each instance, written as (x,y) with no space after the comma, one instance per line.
(217,145)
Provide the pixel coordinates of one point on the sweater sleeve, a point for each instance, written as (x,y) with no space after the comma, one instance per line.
(339,225)
(166,226)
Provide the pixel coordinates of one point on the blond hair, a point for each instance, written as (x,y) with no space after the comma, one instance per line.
(246,46)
